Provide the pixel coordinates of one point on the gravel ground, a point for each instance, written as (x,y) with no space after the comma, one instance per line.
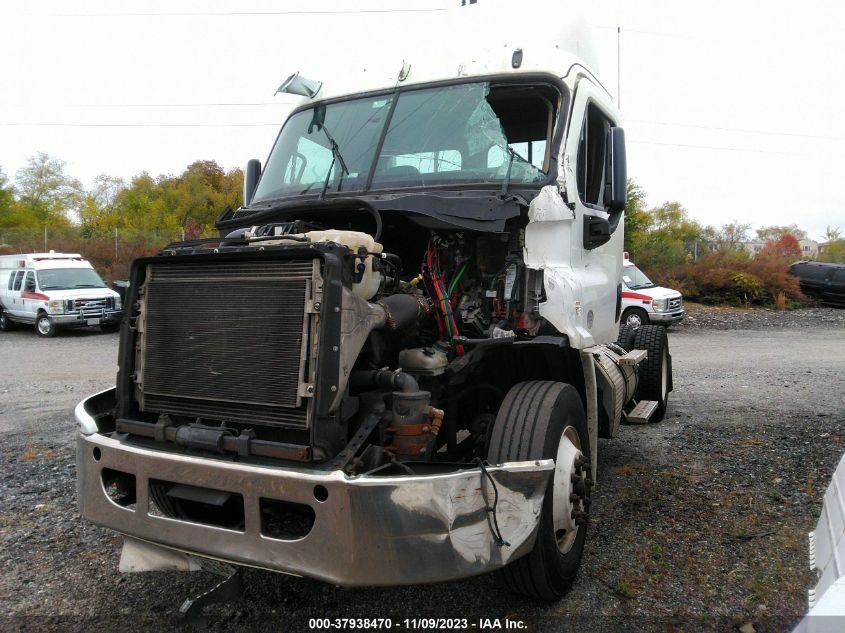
(699,521)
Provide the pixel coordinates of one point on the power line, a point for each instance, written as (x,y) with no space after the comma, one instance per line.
(733,129)
(51,124)
(642,32)
(151,105)
(232,13)
(715,147)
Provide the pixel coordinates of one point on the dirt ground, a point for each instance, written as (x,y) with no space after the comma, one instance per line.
(699,522)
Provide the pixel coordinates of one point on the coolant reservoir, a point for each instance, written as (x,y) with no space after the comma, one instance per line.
(423,361)
(353,240)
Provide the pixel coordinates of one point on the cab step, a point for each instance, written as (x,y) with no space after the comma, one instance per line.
(634,357)
(641,413)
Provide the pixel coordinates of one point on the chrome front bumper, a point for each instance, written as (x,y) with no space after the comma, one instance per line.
(76,319)
(666,317)
(370,530)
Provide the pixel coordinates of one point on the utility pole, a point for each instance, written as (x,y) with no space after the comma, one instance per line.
(619,67)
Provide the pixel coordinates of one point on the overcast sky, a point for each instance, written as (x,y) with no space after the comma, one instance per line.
(732,108)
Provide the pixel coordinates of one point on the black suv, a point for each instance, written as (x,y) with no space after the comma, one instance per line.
(825,282)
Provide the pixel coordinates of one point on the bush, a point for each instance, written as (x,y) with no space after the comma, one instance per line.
(733,277)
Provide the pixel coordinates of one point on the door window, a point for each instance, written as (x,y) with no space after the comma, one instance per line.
(29,285)
(18,280)
(592,149)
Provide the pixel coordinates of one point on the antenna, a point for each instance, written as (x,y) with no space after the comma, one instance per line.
(619,67)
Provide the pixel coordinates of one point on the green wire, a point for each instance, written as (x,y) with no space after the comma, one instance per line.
(456,280)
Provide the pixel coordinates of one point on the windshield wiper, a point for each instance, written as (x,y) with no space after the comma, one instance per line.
(504,190)
(336,157)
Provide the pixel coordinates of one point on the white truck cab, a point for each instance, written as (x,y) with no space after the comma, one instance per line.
(644,302)
(403,339)
(55,290)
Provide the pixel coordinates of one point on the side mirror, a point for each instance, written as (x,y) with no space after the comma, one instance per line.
(616,174)
(252,173)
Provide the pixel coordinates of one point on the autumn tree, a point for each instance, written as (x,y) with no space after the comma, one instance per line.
(774,232)
(98,212)
(47,192)
(669,237)
(786,246)
(7,196)
(733,234)
(636,216)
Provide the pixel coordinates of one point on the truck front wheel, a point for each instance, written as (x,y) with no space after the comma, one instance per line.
(545,420)
(44,326)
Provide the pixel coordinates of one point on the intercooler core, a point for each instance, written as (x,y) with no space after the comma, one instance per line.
(228,340)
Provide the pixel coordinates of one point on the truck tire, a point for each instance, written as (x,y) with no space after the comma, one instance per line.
(625,340)
(545,420)
(6,324)
(44,326)
(655,372)
(634,318)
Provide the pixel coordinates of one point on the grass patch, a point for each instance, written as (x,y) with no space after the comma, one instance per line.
(33,452)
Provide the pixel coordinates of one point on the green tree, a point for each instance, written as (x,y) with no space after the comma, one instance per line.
(733,234)
(672,236)
(47,191)
(766,233)
(636,217)
(98,212)
(831,235)
(7,195)
(833,252)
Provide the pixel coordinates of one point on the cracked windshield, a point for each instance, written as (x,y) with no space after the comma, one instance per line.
(460,134)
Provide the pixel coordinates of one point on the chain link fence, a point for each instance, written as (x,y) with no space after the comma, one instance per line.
(110,253)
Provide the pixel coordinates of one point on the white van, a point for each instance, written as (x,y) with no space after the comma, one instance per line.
(643,302)
(55,290)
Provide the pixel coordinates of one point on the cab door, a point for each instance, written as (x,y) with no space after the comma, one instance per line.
(586,167)
(14,305)
(31,300)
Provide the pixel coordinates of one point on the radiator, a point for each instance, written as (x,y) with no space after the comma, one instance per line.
(227,340)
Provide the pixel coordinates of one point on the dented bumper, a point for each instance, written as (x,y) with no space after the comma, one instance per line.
(367,530)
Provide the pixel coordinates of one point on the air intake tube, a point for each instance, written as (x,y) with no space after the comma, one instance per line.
(414,423)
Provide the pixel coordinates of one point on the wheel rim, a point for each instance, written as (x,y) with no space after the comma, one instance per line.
(569,490)
(634,320)
(44,325)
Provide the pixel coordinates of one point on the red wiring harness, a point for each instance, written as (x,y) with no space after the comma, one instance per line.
(445,315)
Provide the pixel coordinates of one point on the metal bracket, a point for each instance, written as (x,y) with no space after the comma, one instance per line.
(363,432)
(634,357)
(306,390)
(225,591)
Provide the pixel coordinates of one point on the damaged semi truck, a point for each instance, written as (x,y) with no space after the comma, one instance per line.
(395,363)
